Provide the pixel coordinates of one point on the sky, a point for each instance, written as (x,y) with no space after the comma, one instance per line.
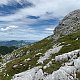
(32,19)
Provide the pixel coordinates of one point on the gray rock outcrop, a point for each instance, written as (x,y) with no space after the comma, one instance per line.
(69,24)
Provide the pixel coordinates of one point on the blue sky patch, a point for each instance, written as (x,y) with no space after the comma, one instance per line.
(33,17)
(11,8)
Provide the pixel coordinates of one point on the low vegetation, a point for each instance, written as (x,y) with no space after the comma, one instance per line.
(29,59)
(6,50)
(21,63)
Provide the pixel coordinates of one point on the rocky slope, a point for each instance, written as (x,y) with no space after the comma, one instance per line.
(65,72)
(69,24)
(48,59)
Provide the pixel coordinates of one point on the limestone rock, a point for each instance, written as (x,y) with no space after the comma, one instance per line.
(70,24)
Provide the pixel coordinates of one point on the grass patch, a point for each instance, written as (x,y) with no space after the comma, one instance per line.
(22,65)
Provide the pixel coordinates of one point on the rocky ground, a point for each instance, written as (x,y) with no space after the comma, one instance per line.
(67,71)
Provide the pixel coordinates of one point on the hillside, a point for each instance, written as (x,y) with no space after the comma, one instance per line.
(56,57)
(6,50)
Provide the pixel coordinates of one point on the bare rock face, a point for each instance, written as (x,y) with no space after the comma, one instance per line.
(32,74)
(70,24)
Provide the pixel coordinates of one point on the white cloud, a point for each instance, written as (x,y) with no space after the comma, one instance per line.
(56,7)
(9,28)
(49,29)
(4,2)
(21,34)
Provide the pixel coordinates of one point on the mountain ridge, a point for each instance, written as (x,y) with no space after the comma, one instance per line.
(16,43)
(57,55)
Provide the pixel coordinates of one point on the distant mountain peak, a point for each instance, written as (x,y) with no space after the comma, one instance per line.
(69,24)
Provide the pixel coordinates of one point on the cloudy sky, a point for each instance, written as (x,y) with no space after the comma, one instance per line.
(32,19)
